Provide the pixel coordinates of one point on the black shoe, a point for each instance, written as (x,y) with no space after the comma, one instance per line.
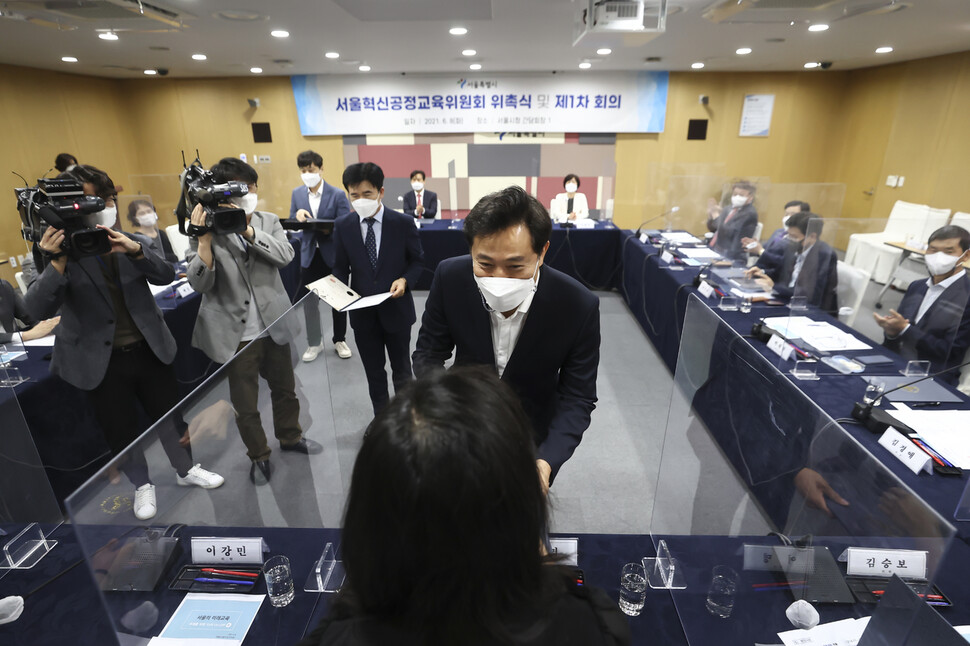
(306,446)
(261,475)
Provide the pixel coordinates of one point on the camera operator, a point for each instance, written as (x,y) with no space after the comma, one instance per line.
(242,293)
(112,340)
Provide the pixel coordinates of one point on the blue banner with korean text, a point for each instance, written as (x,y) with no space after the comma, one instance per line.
(570,102)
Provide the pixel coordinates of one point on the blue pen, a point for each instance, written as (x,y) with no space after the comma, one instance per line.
(231,581)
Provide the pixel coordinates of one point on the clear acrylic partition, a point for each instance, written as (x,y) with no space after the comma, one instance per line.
(749,458)
(163,189)
(136,561)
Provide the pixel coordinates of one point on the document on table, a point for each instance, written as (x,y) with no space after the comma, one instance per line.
(223,617)
(679,236)
(342,298)
(946,431)
(161,289)
(43,341)
(846,632)
(924,391)
(701,253)
(821,335)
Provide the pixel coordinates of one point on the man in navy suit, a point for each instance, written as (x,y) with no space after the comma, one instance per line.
(772,252)
(419,202)
(736,221)
(933,321)
(808,267)
(539,328)
(317,199)
(379,250)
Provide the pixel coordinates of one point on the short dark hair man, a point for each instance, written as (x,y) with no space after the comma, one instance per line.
(419,202)
(735,221)
(933,321)
(772,252)
(378,250)
(315,199)
(539,329)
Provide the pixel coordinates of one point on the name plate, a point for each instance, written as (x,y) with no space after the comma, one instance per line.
(184,290)
(778,558)
(907,564)
(643,238)
(568,547)
(220,549)
(706,289)
(780,347)
(908,453)
(667,257)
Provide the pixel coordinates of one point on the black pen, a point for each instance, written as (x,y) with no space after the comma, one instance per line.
(924,404)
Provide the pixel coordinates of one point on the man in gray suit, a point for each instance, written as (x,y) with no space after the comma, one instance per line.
(242,294)
(112,340)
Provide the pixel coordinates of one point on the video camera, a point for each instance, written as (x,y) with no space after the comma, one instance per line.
(199,187)
(62,204)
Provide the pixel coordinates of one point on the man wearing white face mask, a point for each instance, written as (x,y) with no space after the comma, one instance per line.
(539,328)
(737,220)
(420,202)
(317,199)
(773,251)
(933,321)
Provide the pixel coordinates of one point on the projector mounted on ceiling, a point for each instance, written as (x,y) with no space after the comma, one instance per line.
(605,17)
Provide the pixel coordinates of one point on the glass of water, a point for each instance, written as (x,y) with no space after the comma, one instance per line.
(746,305)
(633,588)
(720,596)
(279,581)
(874,393)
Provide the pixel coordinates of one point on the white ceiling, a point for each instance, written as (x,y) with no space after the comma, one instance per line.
(509,35)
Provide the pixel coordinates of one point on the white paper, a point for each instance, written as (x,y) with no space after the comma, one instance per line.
(162,289)
(678,236)
(176,641)
(701,253)
(193,619)
(367,301)
(756,115)
(821,335)
(333,292)
(847,632)
(946,431)
(44,341)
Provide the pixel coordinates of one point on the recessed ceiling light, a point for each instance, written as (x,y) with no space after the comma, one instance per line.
(604,51)
(819,27)
(68,59)
(256,70)
(468,52)
(697,66)
(198,57)
(743,51)
(332,54)
(279,33)
(457,31)
(585,66)
(884,50)
(364,68)
(151,72)
(108,35)
(810,65)
(475,66)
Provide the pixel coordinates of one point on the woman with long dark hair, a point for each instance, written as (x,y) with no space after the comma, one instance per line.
(443,529)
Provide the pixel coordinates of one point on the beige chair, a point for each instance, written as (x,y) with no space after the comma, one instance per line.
(961,219)
(758,230)
(852,287)
(179,241)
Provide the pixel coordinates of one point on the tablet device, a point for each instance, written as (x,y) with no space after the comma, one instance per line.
(874,359)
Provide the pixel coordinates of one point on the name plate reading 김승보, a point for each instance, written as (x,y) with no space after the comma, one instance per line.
(221,549)
(908,453)
(906,564)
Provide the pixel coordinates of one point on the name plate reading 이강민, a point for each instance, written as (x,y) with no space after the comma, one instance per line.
(184,290)
(667,257)
(567,548)
(706,289)
(778,345)
(907,564)
(908,453)
(221,549)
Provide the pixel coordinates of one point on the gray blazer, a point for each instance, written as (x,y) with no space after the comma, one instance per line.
(83,339)
(225,288)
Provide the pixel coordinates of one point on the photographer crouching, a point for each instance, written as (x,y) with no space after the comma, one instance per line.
(112,340)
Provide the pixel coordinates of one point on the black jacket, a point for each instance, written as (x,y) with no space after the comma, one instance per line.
(728,234)
(818,279)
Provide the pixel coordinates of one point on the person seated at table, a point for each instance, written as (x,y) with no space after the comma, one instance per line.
(419,202)
(808,268)
(444,528)
(569,205)
(933,320)
(65,162)
(142,216)
(15,319)
(112,340)
(771,253)
(732,223)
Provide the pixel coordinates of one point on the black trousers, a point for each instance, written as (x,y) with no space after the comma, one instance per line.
(136,376)
(371,344)
(314,333)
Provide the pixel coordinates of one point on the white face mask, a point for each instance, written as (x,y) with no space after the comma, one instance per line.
(106,217)
(417,186)
(505,294)
(366,208)
(571,187)
(146,219)
(940,263)
(247,203)
(737,201)
(310,179)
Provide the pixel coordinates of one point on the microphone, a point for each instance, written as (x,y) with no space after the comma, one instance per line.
(657,217)
(877,420)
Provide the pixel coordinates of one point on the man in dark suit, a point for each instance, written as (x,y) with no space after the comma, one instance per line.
(737,220)
(419,202)
(933,321)
(540,329)
(808,267)
(379,251)
(773,251)
(318,200)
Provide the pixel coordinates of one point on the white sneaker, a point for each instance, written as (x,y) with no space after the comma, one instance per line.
(199,477)
(145,506)
(343,350)
(312,352)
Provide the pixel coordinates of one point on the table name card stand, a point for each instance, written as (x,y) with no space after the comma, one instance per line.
(664,572)
(327,574)
(26,549)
